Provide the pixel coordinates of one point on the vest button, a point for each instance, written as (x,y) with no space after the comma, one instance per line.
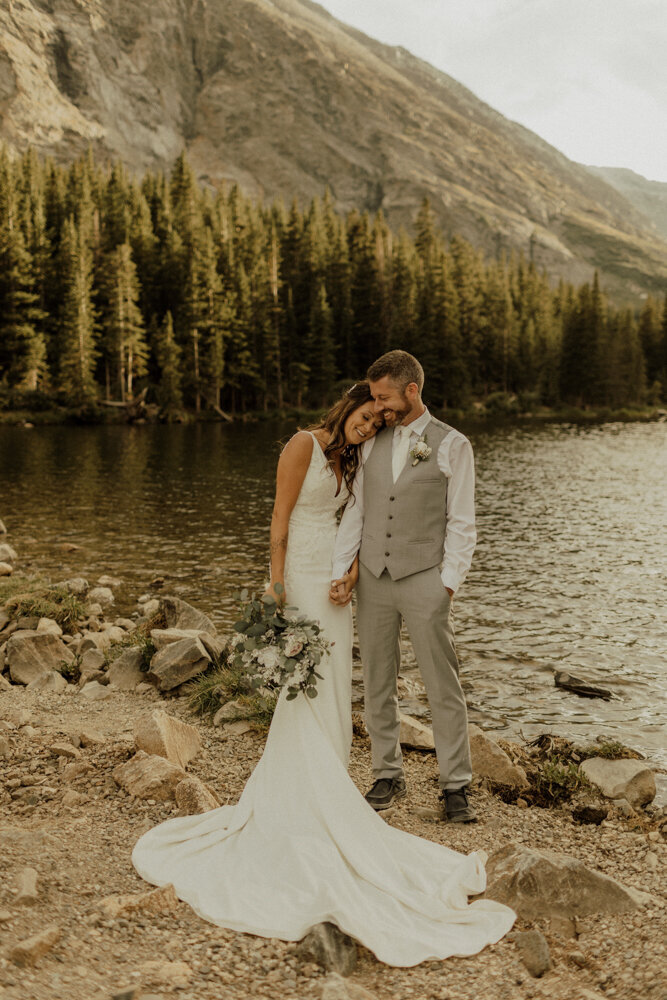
(388,534)
(391,498)
(391,517)
(387,553)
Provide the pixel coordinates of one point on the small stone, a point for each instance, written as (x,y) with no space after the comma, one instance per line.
(194,797)
(53,681)
(534,952)
(578,958)
(7,553)
(5,748)
(90,738)
(337,988)
(152,902)
(27,894)
(102,595)
(490,761)
(236,728)
(621,779)
(160,973)
(522,803)
(29,951)
(231,711)
(92,659)
(94,691)
(65,750)
(178,662)
(414,733)
(109,581)
(6,569)
(126,671)
(76,585)
(162,734)
(149,776)
(150,607)
(330,948)
(651,860)
(94,640)
(50,626)
(71,798)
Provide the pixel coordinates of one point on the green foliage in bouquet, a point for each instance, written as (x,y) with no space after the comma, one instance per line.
(276,646)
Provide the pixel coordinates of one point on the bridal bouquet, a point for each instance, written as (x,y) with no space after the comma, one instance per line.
(277,647)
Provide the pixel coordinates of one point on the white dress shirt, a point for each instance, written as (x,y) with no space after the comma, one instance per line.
(455,460)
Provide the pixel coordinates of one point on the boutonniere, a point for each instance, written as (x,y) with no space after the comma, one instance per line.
(421,451)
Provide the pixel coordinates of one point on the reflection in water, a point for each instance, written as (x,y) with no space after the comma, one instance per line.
(569,569)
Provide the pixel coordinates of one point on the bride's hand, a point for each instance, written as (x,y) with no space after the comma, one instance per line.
(278,596)
(340,592)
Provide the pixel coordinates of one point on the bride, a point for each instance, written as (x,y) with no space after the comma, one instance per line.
(302,845)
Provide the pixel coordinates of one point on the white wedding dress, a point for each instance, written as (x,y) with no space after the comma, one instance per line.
(302,846)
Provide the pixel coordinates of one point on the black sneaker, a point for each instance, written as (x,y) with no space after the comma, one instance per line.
(385,791)
(456,807)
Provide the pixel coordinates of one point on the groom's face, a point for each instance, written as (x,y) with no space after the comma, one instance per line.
(393,403)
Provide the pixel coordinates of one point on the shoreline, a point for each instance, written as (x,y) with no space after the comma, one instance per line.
(66,742)
(477,417)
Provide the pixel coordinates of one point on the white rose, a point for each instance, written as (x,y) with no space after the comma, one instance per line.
(269,657)
(293,646)
(422,450)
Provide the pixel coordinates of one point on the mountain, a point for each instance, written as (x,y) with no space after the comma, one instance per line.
(648,197)
(280,97)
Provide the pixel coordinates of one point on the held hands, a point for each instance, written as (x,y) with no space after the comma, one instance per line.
(340,592)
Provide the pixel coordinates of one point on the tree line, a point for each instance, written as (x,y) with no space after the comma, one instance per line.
(110,285)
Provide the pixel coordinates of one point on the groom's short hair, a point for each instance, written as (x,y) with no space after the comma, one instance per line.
(401,367)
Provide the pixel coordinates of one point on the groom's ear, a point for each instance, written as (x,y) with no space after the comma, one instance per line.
(412,390)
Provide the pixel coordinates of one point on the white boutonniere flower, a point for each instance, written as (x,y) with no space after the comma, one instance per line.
(421,451)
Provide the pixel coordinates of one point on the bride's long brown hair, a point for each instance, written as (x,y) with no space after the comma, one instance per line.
(334,424)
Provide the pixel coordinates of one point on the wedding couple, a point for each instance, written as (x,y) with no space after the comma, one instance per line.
(302,845)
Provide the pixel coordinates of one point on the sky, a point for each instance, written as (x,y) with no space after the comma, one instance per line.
(589,76)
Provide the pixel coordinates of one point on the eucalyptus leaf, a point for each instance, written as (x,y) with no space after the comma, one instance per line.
(291,696)
(311,692)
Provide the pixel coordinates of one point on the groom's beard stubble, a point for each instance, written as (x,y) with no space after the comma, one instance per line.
(393,418)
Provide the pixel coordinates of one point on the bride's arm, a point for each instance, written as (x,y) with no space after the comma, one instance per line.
(292,468)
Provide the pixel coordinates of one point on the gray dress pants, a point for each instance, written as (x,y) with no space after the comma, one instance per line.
(424,603)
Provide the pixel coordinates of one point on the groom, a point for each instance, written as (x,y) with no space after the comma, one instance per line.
(413,524)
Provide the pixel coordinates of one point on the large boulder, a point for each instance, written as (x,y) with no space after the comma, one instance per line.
(414,733)
(33,654)
(179,614)
(51,681)
(168,737)
(165,636)
(125,672)
(148,776)
(178,662)
(490,761)
(621,779)
(540,884)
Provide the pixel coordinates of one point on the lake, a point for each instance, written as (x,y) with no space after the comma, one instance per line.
(569,572)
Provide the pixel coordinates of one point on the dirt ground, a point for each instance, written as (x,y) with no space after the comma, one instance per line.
(80,846)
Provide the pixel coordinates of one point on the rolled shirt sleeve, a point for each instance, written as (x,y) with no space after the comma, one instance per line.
(351,526)
(456,461)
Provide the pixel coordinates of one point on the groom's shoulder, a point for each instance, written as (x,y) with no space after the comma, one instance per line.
(446,430)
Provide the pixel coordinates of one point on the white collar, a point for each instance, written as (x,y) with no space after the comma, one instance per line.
(417,426)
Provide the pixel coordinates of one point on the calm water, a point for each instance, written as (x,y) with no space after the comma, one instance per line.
(569,571)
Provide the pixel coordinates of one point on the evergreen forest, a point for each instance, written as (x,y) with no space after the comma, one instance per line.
(211,301)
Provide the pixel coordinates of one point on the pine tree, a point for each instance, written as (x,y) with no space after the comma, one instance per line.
(320,349)
(168,356)
(122,322)
(77,350)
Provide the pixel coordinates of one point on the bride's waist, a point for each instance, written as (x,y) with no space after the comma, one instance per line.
(303,522)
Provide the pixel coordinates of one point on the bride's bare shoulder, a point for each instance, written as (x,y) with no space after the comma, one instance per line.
(298,449)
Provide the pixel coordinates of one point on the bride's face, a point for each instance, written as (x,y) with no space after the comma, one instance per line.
(362,424)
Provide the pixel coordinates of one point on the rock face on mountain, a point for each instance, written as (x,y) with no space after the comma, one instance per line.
(281,98)
(648,197)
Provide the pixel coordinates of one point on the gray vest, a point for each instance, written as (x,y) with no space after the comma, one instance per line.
(404,521)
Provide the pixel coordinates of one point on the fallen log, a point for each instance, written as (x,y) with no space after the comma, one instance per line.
(574,684)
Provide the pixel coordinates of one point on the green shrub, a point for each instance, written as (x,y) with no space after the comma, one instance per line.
(47,602)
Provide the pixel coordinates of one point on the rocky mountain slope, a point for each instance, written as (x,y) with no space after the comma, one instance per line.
(282,98)
(648,197)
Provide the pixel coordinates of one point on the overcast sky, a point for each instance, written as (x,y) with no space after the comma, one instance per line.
(589,76)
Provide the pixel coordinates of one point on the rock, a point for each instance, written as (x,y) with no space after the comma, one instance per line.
(76,770)
(150,608)
(6,569)
(52,681)
(90,737)
(337,988)
(49,625)
(109,581)
(149,776)
(621,779)
(236,728)
(623,807)
(92,659)
(565,927)
(102,595)
(71,798)
(214,645)
(177,663)
(414,733)
(93,675)
(587,810)
(3,530)
(4,684)
(490,761)
(94,640)
(94,691)
(534,951)
(230,712)
(330,948)
(160,973)
(165,636)
(545,884)
(31,654)
(152,902)
(178,614)
(5,748)
(194,797)
(94,610)
(29,951)
(125,672)
(574,684)
(76,585)
(65,750)
(27,894)
(8,555)
(162,734)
